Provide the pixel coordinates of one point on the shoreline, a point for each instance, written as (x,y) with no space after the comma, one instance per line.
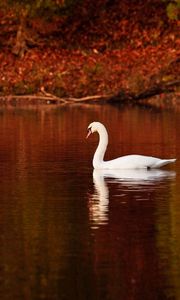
(165,102)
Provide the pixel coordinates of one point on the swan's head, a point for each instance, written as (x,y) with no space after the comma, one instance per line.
(94,127)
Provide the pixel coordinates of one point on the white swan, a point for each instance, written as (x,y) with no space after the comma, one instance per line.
(124,162)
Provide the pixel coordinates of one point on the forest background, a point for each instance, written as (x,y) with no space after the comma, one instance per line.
(75,50)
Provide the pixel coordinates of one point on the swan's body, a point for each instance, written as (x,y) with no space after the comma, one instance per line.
(124,162)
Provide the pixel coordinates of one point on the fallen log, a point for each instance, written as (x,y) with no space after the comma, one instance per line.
(157,89)
(123,97)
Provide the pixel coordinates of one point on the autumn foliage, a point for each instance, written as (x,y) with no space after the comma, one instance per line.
(101,48)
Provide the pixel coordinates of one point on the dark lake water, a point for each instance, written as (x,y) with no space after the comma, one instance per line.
(70,233)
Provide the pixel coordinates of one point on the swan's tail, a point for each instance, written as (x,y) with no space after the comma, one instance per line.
(163,162)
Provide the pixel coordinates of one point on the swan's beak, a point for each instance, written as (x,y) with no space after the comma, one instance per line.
(89,132)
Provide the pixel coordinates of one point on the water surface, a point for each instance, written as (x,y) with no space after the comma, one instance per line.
(70,233)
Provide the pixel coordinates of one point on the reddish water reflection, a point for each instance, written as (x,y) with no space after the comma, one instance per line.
(65,237)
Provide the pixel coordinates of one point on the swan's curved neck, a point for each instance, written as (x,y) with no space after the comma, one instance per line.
(101,148)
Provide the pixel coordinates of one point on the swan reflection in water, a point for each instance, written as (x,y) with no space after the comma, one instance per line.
(131,181)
